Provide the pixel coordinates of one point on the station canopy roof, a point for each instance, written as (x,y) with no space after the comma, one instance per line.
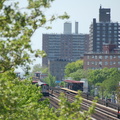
(73,81)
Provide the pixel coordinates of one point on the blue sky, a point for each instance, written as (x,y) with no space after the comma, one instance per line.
(82,11)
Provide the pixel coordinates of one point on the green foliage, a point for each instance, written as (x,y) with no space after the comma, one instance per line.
(75,70)
(63,84)
(117,92)
(70,111)
(39,68)
(99,75)
(19,99)
(50,80)
(79,74)
(45,70)
(94,76)
(17,25)
(111,84)
(106,79)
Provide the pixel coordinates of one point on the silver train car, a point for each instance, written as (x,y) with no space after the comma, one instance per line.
(44,87)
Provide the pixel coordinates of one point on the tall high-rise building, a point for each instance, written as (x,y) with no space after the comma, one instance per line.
(70,47)
(103,31)
(62,49)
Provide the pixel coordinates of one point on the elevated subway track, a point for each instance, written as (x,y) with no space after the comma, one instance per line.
(104,109)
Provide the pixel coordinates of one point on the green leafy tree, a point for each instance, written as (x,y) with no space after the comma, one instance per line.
(111,84)
(17,25)
(99,75)
(106,79)
(20,100)
(62,84)
(79,74)
(70,111)
(117,93)
(75,70)
(94,76)
(50,80)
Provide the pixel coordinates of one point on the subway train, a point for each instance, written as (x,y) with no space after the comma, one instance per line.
(44,87)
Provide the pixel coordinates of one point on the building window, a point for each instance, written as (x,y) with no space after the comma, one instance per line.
(98,24)
(115,24)
(106,63)
(100,57)
(118,63)
(98,31)
(111,63)
(103,24)
(115,31)
(103,35)
(109,31)
(114,62)
(111,57)
(95,56)
(115,28)
(106,57)
(98,50)
(92,56)
(95,63)
(100,63)
(118,68)
(88,63)
(119,56)
(98,28)
(103,39)
(98,39)
(98,46)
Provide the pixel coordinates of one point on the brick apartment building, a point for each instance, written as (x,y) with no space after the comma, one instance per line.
(104,43)
(66,46)
(110,58)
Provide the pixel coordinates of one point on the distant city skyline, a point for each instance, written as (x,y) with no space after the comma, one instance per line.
(80,11)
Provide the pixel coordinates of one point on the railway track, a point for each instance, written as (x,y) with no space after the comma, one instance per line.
(102,112)
(54,101)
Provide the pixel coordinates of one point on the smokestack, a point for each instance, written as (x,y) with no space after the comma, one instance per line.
(76,27)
